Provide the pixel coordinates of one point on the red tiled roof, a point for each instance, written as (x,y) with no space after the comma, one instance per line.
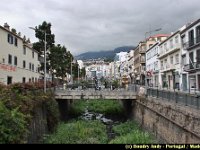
(160,35)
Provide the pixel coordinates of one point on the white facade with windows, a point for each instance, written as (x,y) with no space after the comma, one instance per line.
(18,61)
(170,62)
(152,66)
(191,57)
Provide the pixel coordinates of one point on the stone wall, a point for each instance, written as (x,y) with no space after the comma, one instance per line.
(169,122)
(38,125)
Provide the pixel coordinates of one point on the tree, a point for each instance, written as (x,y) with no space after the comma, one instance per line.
(60,60)
(40,45)
(82,72)
(75,70)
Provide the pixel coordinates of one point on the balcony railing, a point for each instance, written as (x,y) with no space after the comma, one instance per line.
(142,50)
(190,67)
(191,43)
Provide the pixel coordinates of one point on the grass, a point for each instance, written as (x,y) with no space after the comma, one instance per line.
(79,132)
(129,132)
(77,108)
(106,107)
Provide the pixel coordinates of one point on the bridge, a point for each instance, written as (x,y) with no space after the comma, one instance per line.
(120,94)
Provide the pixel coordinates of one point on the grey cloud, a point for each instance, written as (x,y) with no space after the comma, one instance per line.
(83,25)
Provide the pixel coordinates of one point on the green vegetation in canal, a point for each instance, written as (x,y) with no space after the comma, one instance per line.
(79,132)
(77,108)
(106,107)
(129,132)
(19,109)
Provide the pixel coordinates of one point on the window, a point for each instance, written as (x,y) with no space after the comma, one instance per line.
(10,59)
(15,41)
(172,60)
(184,60)
(24,64)
(29,80)
(165,47)
(15,61)
(198,34)
(177,58)
(29,66)
(162,67)
(32,54)
(10,39)
(32,67)
(171,43)
(32,79)
(176,39)
(3,60)
(23,80)
(24,50)
(191,38)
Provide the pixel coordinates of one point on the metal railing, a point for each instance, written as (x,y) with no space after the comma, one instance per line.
(176,97)
(192,42)
(193,66)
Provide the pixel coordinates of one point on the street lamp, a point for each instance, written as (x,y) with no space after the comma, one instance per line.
(45,48)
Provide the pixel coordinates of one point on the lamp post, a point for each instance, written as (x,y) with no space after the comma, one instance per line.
(45,48)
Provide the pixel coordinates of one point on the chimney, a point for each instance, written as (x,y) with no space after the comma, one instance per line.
(6,26)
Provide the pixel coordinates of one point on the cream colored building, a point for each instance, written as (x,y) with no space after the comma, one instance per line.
(170,62)
(18,61)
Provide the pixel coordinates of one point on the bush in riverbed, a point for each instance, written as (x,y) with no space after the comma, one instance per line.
(79,132)
(13,126)
(106,107)
(129,132)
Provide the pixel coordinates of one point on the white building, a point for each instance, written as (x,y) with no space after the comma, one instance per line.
(152,66)
(191,57)
(119,59)
(98,70)
(80,63)
(18,61)
(170,62)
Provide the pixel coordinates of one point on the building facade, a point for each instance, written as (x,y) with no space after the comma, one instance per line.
(191,58)
(18,60)
(140,54)
(170,62)
(152,66)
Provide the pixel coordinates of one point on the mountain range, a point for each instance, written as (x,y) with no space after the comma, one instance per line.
(104,54)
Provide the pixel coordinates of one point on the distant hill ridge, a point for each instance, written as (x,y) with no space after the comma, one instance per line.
(110,54)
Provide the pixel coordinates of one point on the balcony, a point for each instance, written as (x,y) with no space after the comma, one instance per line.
(168,51)
(167,67)
(192,43)
(142,51)
(192,67)
(142,59)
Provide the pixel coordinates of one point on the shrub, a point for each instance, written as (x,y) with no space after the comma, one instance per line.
(13,126)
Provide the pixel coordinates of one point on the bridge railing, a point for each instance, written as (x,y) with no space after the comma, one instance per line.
(176,97)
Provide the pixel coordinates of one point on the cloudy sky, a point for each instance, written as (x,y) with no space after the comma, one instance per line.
(91,25)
